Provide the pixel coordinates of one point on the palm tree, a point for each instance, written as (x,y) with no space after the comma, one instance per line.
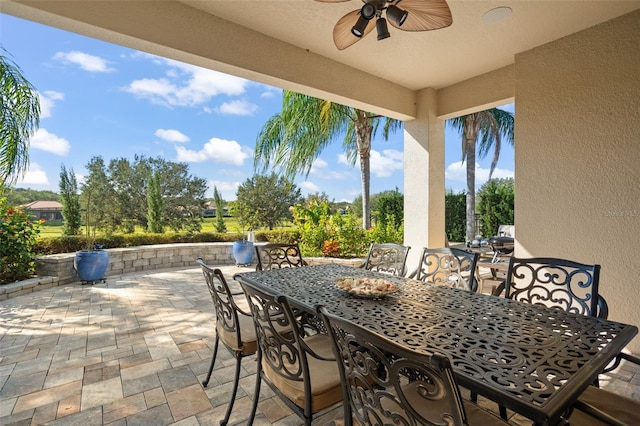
(486,127)
(294,138)
(19,119)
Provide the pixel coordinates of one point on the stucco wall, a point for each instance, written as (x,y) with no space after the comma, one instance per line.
(577,156)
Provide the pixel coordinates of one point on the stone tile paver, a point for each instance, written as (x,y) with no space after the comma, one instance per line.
(187,402)
(43,397)
(134,351)
(100,393)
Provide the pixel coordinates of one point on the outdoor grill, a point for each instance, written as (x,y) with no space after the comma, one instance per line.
(501,246)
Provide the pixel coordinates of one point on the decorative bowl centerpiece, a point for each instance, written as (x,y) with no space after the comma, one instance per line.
(366,287)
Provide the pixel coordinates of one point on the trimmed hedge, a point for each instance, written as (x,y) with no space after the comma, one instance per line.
(70,244)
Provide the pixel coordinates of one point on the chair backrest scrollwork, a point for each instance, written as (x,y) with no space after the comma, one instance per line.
(278,255)
(556,283)
(388,258)
(384,383)
(450,267)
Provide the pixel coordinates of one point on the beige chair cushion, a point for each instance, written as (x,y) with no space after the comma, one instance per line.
(624,409)
(248,333)
(326,388)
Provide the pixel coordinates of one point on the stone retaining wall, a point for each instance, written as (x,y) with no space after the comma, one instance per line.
(142,258)
(57,269)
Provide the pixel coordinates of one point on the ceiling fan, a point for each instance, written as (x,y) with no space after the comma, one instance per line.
(407,15)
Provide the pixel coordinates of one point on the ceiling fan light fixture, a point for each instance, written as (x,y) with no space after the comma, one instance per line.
(368,11)
(360,26)
(381,27)
(397,15)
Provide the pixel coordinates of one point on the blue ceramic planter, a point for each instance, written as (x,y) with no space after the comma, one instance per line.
(91,265)
(243,252)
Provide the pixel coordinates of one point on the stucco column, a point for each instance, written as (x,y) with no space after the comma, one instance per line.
(424,178)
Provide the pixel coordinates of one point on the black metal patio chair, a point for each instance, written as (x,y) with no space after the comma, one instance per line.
(278,255)
(298,367)
(383,383)
(449,267)
(234,326)
(556,283)
(388,258)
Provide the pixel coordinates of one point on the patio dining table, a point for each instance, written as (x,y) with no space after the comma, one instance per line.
(530,359)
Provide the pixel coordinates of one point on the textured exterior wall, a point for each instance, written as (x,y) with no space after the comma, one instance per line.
(577,156)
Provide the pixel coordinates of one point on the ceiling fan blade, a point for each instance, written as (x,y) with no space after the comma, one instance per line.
(424,15)
(342,35)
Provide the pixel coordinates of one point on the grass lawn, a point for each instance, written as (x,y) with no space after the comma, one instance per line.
(208,225)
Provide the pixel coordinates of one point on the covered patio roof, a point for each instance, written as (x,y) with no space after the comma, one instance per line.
(289,43)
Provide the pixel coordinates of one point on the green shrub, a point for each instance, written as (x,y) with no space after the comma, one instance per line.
(390,207)
(18,233)
(323,231)
(496,205)
(288,236)
(387,232)
(455,216)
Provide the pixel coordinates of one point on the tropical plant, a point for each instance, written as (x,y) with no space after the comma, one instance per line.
(325,232)
(70,202)
(20,118)
(294,138)
(18,234)
(488,128)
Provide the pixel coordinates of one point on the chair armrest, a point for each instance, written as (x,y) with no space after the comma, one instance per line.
(313,353)
(618,359)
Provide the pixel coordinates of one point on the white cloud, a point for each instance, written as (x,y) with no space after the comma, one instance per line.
(84,61)
(318,166)
(49,142)
(238,107)
(35,175)
(381,164)
(47,102)
(457,172)
(217,150)
(385,164)
(342,159)
(269,91)
(171,135)
(227,189)
(309,187)
(186,85)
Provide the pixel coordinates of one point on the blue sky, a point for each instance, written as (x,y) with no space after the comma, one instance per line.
(102,99)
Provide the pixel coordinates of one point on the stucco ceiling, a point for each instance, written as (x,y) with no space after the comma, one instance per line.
(416,60)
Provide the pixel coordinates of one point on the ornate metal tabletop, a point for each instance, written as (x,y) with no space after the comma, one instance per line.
(532,360)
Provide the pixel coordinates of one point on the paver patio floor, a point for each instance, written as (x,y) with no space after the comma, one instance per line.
(134,351)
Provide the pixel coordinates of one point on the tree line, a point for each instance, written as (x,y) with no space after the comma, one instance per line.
(152,193)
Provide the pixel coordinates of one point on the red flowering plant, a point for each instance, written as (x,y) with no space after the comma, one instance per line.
(18,233)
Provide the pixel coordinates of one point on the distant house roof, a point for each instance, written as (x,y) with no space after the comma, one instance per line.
(42,205)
